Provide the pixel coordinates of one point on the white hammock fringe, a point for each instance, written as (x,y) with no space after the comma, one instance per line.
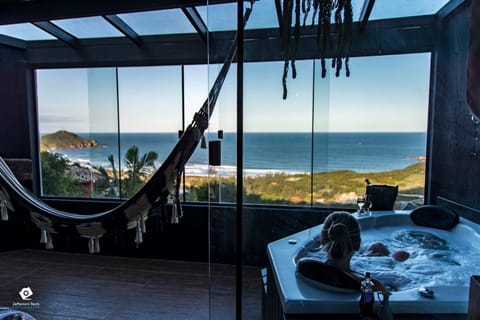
(49,244)
(176,212)
(138,236)
(43,236)
(91,245)
(180,210)
(174,219)
(94,244)
(4,210)
(97,245)
(143,227)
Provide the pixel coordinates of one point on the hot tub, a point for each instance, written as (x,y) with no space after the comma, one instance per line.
(443,266)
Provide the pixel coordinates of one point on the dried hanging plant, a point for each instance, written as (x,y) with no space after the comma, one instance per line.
(321,16)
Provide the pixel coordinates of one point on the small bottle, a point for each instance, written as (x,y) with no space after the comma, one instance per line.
(367,297)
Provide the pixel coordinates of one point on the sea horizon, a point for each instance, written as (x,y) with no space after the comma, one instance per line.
(270,152)
(224,131)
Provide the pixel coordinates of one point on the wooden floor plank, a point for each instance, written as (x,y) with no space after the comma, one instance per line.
(81,287)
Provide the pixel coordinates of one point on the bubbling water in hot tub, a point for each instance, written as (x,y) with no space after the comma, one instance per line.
(433,260)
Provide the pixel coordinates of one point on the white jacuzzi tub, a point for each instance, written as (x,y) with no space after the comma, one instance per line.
(299,296)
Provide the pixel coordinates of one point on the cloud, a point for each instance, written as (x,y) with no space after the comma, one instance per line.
(59,118)
(51,122)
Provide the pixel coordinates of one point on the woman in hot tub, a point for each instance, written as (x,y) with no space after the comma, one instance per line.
(340,238)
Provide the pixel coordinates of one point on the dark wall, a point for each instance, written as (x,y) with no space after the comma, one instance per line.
(14,133)
(261,225)
(14,233)
(455,159)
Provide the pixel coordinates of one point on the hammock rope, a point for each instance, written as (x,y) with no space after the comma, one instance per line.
(162,186)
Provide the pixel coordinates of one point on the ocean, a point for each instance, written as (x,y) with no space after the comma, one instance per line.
(264,153)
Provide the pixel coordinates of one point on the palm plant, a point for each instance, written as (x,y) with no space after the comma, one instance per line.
(112,187)
(138,169)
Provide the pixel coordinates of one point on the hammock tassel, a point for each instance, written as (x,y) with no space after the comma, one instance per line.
(97,245)
(139,237)
(43,236)
(143,227)
(179,209)
(176,211)
(4,210)
(91,245)
(176,207)
(49,244)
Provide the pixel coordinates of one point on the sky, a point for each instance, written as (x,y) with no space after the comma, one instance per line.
(383,93)
(217,17)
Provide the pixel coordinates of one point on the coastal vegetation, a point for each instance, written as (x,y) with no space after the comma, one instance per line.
(329,189)
(335,188)
(63,178)
(57,179)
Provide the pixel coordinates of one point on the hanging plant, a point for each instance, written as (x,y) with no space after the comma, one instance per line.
(322,11)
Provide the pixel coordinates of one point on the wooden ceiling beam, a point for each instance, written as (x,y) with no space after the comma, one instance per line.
(57,32)
(124,28)
(409,35)
(197,22)
(13,42)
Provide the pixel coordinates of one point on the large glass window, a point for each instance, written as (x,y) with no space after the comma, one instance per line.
(278,139)
(96,123)
(320,145)
(315,148)
(376,130)
(205,182)
(74,107)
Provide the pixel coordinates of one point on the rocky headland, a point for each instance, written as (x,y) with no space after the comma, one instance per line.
(65,140)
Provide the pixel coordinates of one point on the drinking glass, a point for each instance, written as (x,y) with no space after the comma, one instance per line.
(360,203)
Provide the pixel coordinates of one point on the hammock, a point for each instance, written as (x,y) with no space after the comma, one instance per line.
(162,186)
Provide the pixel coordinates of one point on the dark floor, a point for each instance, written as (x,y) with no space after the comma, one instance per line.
(79,287)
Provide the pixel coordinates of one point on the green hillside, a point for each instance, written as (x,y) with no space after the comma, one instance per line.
(329,188)
(65,140)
